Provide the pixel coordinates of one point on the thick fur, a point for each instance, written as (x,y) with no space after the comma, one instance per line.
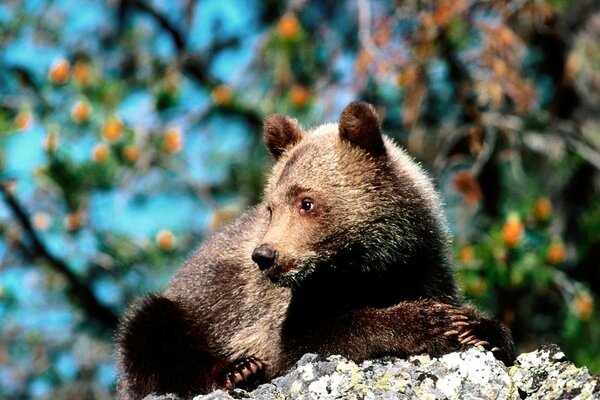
(361,269)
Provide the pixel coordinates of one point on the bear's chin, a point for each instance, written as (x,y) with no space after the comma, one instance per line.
(291,279)
(283,280)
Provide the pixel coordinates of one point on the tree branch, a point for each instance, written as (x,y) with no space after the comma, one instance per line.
(176,35)
(78,290)
(196,65)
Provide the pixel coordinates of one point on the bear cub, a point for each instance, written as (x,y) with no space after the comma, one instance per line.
(348,253)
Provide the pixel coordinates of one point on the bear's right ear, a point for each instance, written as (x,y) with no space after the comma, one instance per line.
(281,132)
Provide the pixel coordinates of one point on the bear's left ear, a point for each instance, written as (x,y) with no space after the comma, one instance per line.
(359,125)
(281,132)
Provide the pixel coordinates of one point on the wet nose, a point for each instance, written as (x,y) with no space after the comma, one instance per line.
(264,256)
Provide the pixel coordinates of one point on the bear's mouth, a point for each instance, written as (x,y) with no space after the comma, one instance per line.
(277,274)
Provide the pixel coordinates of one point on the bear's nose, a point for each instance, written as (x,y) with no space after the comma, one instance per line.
(264,256)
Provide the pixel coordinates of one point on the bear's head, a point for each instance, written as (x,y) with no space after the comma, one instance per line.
(345,197)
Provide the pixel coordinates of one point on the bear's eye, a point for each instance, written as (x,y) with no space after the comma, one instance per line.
(307,206)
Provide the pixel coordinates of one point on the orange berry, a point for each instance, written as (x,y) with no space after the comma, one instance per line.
(572,66)
(82,73)
(73,221)
(466,254)
(299,96)
(41,221)
(466,184)
(222,95)
(113,129)
(505,37)
(81,111)
(165,239)
(173,140)
(542,209)
(131,153)
(59,71)
(100,153)
(556,253)
(512,230)
(288,27)
(23,120)
(584,306)
(443,13)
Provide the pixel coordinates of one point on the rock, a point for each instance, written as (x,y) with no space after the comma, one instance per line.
(471,373)
(547,374)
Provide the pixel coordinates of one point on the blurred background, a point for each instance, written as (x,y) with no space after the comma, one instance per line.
(131,129)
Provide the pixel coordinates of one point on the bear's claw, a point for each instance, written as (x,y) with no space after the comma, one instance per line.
(244,373)
(461,326)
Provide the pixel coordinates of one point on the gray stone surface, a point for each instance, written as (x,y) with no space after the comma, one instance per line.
(468,374)
(547,374)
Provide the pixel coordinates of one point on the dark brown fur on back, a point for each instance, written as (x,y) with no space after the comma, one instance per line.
(348,254)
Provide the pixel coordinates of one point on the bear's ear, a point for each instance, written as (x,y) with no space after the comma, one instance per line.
(281,132)
(359,125)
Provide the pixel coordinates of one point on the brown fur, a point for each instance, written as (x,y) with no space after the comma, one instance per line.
(363,273)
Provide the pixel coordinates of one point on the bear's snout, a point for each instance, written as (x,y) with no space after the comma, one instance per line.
(264,256)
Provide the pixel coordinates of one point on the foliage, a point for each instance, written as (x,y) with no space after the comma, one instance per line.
(130,129)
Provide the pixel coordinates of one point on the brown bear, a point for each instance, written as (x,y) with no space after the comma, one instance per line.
(348,253)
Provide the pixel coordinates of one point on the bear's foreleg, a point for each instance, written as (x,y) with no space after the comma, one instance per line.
(409,328)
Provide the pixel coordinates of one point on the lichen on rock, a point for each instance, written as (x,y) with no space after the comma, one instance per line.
(471,373)
(547,374)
